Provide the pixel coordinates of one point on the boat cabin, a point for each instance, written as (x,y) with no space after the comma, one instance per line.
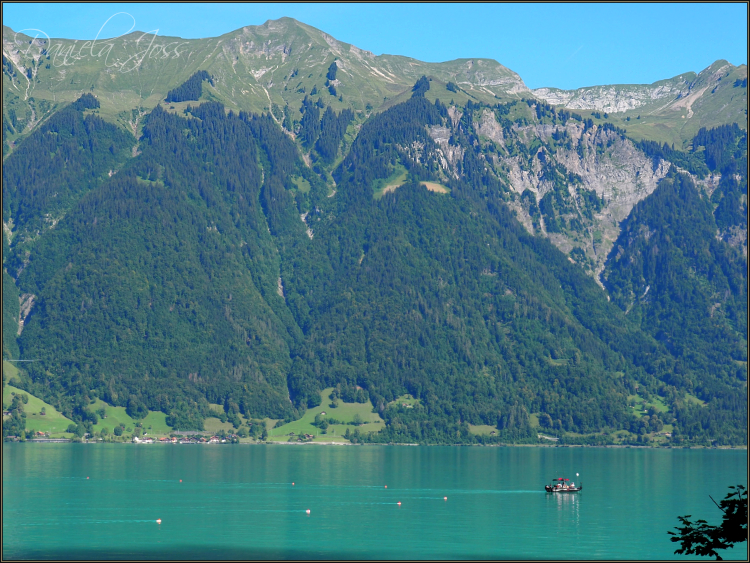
(562,485)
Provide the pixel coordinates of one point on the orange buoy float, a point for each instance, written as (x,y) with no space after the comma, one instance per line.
(445,498)
(308,511)
(86,477)
(180,480)
(292,483)
(386,486)
(399,503)
(158,520)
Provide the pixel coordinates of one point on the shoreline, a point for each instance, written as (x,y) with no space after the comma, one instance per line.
(273,443)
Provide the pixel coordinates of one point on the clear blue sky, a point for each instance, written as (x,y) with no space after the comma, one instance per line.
(561,45)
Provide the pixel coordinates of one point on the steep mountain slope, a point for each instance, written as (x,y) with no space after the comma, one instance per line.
(680,263)
(160,286)
(384,227)
(74,151)
(11,311)
(215,266)
(668,267)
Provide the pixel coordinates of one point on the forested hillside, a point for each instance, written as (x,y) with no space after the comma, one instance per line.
(432,251)
(680,270)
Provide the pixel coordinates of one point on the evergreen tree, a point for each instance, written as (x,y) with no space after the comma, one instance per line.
(331,75)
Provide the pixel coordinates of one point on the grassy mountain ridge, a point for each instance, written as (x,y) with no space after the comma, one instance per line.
(279,62)
(671,110)
(254,67)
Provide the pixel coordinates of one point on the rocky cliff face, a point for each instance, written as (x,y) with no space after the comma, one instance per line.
(600,161)
(614,99)
(571,182)
(674,93)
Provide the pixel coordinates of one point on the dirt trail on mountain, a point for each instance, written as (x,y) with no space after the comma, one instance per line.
(688,101)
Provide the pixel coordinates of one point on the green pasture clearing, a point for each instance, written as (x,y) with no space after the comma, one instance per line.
(154,424)
(10,371)
(384,185)
(53,422)
(405,400)
(339,430)
(641,405)
(436,187)
(482,429)
(270,423)
(215,425)
(695,400)
(344,412)
(438,90)
(658,404)
(534,420)
(56,424)
(302,184)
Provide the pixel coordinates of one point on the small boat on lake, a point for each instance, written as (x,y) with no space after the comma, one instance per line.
(562,485)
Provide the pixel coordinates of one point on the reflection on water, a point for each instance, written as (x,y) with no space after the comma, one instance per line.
(567,507)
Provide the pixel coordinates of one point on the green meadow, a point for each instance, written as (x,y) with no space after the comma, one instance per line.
(344,412)
(214,425)
(302,184)
(53,421)
(154,424)
(57,424)
(482,429)
(382,186)
(405,400)
(9,370)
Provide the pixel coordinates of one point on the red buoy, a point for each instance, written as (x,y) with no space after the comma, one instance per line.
(86,477)
(180,480)
(399,503)
(158,520)
(445,498)
(292,483)
(386,486)
(308,511)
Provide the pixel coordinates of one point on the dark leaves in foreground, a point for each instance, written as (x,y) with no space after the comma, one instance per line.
(703,539)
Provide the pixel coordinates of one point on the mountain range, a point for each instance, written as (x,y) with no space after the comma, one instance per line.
(246,220)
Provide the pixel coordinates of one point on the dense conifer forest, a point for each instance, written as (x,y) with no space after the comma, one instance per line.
(191,89)
(212,264)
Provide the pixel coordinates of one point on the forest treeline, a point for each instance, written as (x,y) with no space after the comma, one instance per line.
(191,89)
(217,267)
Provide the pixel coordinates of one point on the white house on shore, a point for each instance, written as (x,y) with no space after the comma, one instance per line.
(137,440)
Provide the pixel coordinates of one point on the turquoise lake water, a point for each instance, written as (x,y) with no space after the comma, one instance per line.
(78,501)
